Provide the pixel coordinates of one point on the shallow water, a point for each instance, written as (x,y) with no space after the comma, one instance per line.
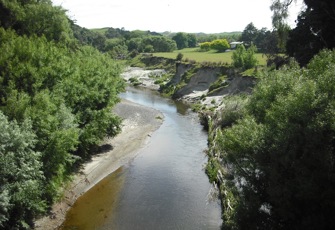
(164,187)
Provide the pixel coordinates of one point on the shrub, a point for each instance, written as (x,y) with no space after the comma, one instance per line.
(244,59)
(179,57)
(205,46)
(220,45)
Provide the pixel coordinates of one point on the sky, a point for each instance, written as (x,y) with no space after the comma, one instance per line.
(190,16)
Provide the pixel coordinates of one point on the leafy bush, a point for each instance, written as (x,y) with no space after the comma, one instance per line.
(220,45)
(234,109)
(205,46)
(243,58)
(20,175)
(179,57)
(280,156)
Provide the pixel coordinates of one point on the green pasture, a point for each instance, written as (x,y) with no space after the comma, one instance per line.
(100,30)
(210,56)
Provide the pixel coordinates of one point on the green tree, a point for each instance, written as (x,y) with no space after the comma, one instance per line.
(243,58)
(92,38)
(191,40)
(135,44)
(262,37)
(149,49)
(159,43)
(29,64)
(269,46)
(163,44)
(314,30)
(119,52)
(91,92)
(238,56)
(302,44)
(56,97)
(316,23)
(60,91)
(205,46)
(20,175)
(58,137)
(36,18)
(249,34)
(181,40)
(221,45)
(113,33)
(114,42)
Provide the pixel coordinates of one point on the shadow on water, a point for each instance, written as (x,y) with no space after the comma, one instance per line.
(182,108)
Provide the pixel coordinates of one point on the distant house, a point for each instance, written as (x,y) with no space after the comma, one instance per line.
(234,44)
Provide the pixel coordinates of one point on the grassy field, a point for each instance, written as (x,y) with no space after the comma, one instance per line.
(210,56)
(100,30)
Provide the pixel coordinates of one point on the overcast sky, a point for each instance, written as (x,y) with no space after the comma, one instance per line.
(209,16)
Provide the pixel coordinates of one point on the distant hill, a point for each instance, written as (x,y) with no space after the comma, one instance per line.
(200,34)
(168,33)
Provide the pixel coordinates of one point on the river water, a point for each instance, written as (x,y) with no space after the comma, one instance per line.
(164,187)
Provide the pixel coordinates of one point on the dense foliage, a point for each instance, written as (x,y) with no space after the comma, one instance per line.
(220,45)
(56,98)
(314,31)
(244,59)
(121,43)
(21,175)
(184,40)
(265,40)
(278,159)
(31,17)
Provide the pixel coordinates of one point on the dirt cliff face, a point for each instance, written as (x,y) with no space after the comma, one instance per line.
(197,79)
(236,84)
(181,69)
(200,80)
(195,83)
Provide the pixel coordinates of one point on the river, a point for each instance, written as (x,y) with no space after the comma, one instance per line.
(164,187)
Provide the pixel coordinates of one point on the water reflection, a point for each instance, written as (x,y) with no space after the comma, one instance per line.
(92,209)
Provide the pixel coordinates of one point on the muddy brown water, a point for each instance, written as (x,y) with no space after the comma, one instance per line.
(164,187)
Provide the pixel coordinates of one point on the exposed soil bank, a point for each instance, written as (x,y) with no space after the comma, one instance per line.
(138,124)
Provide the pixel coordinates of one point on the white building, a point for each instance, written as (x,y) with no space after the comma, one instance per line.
(234,44)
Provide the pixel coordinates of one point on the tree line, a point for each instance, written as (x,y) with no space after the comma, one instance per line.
(121,44)
(56,97)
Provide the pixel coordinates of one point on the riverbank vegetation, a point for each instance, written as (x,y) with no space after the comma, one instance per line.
(274,157)
(272,153)
(56,98)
